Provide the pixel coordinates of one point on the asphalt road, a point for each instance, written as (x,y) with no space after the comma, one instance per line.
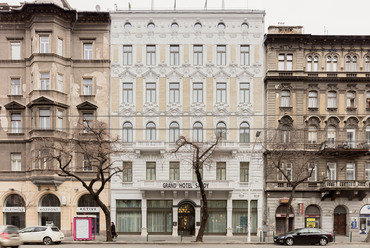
(188,245)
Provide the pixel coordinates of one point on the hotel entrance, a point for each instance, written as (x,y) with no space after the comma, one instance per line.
(186,215)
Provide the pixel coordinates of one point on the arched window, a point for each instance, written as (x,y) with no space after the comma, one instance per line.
(151,26)
(332,99)
(354,63)
(244,133)
(198,132)
(367,63)
(198,26)
(127,132)
(150,131)
(312,99)
(348,63)
(174,131)
(87,201)
(335,63)
(312,134)
(14,211)
(221,130)
(315,63)
(285,134)
(51,210)
(328,63)
(309,63)
(285,98)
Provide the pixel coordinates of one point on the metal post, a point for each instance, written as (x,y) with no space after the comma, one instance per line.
(334,236)
(260,236)
(147,237)
(182,232)
(350,238)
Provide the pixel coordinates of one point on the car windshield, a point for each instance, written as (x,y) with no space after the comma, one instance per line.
(12,229)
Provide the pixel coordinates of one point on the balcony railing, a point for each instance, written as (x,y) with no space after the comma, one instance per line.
(346,145)
(345,184)
(149,145)
(285,186)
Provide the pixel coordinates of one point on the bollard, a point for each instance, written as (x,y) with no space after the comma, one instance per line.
(147,237)
(182,232)
(260,236)
(350,238)
(334,236)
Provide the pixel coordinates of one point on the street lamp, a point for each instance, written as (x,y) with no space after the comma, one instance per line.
(258,133)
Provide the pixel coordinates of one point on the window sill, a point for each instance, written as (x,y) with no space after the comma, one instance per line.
(351,108)
(313,108)
(285,108)
(15,134)
(332,109)
(15,95)
(87,95)
(368,109)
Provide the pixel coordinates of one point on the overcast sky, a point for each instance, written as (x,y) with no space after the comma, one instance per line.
(344,17)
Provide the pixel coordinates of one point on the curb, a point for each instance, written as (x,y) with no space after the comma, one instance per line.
(184,243)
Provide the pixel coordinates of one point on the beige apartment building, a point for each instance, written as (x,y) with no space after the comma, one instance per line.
(195,74)
(318,85)
(54,66)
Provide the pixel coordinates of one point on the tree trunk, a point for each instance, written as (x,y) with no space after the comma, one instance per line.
(288,207)
(204,216)
(107,218)
(367,239)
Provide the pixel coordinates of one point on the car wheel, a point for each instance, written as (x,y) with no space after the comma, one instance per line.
(323,241)
(289,241)
(47,241)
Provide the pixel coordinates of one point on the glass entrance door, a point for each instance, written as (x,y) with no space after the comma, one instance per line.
(186,220)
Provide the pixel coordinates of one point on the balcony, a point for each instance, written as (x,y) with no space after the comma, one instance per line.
(344,148)
(344,188)
(285,186)
(149,146)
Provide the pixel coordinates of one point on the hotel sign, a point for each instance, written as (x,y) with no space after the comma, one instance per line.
(88,210)
(48,209)
(180,185)
(13,209)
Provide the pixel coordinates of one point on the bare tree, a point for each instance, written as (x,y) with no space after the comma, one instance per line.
(96,147)
(288,159)
(201,152)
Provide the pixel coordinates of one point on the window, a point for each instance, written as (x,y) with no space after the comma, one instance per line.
(285,98)
(174,170)
(285,62)
(150,92)
(198,93)
(195,174)
(312,99)
(350,137)
(244,171)
(88,86)
(367,63)
(315,63)
(174,131)
(88,50)
(16,86)
(332,99)
(335,63)
(313,167)
(221,130)
(244,93)
(44,44)
(312,134)
(174,92)
(331,171)
(174,54)
(198,55)
(331,136)
(244,133)
(351,96)
(285,134)
(221,55)
(60,120)
(367,171)
(127,55)
(60,47)
(150,55)
(309,63)
(289,171)
(16,123)
(127,132)
(197,26)
(127,171)
(368,99)
(127,26)
(221,92)
(127,94)
(87,163)
(354,63)
(198,132)
(245,26)
(150,131)
(151,26)
(221,26)
(350,171)
(244,55)
(44,81)
(150,171)
(16,50)
(88,119)
(44,119)
(60,83)
(174,26)
(280,175)
(220,170)
(368,134)
(16,161)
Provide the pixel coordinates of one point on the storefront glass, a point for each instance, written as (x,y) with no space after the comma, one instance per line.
(88,206)
(240,217)
(217,217)
(364,219)
(128,216)
(14,211)
(312,216)
(159,216)
(49,210)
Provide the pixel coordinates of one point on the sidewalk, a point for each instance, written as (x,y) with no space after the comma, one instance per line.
(167,239)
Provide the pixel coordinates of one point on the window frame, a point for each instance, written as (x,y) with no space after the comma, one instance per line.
(16,122)
(151,92)
(244,132)
(88,86)
(127,132)
(174,170)
(16,163)
(244,92)
(197,55)
(151,170)
(174,55)
(221,55)
(285,99)
(174,92)
(244,55)
(127,54)
(44,81)
(332,99)
(151,55)
(197,92)
(331,170)
(15,50)
(127,175)
(88,48)
(313,99)
(88,121)
(198,132)
(221,171)
(60,122)
(127,92)
(221,92)
(44,44)
(60,46)
(350,171)
(174,131)
(244,171)
(16,86)
(60,79)
(151,130)
(221,130)
(45,119)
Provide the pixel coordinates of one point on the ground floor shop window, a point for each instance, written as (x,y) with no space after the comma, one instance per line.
(49,210)
(312,216)
(280,217)
(88,206)
(159,216)
(14,211)
(240,217)
(128,216)
(364,219)
(217,217)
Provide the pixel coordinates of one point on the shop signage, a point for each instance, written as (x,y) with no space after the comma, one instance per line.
(13,209)
(284,200)
(48,209)
(88,210)
(310,222)
(180,185)
(365,209)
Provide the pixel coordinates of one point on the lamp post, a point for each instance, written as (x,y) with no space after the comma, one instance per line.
(258,133)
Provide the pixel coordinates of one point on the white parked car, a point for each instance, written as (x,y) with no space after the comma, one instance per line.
(41,234)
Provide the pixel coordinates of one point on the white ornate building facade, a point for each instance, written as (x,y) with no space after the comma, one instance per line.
(187,73)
